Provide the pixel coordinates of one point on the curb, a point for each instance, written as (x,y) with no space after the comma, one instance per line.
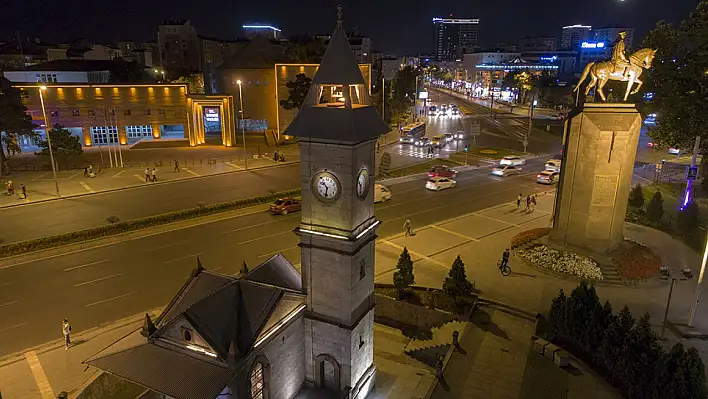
(527,314)
(111,190)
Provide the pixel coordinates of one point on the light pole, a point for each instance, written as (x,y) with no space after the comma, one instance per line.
(49,140)
(692,315)
(243,122)
(528,132)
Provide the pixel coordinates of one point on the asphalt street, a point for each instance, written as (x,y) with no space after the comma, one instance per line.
(106,283)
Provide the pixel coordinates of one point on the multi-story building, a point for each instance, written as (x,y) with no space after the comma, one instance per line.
(490,77)
(610,34)
(454,37)
(538,43)
(17,55)
(471,61)
(360,45)
(566,60)
(389,67)
(574,35)
(262,30)
(67,71)
(592,51)
(179,44)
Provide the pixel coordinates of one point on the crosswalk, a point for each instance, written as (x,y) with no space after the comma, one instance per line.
(418,153)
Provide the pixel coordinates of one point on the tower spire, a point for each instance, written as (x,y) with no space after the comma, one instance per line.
(339,16)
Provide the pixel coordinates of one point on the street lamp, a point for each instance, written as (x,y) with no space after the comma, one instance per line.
(243,122)
(49,140)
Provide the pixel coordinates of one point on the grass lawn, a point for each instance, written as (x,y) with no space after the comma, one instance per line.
(421,167)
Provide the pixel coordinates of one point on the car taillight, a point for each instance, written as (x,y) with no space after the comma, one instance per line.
(538,176)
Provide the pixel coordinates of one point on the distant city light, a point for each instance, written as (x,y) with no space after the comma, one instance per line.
(261,27)
(593,45)
(577,26)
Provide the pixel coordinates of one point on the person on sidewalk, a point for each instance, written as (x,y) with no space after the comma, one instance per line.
(176,169)
(153,175)
(518,201)
(66,330)
(275,156)
(147,175)
(85,171)
(10,188)
(528,203)
(407,226)
(24,191)
(533,202)
(90,172)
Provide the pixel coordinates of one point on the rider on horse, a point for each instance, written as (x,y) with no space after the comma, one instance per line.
(619,57)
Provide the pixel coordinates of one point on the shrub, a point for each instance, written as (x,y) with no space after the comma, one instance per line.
(528,236)
(457,285)
(112,219)
(636,197)
(403,277)
(635,261)
(655,208)
(689,218)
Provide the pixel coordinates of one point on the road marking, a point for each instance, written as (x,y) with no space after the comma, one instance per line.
(39,376)
(235,166)
(111,299)
(141,178)
(40,176)
(119,173)
(268,255)
(166,246)
(416,254)
(85,265)
(436,227)
(96,280)
(15,326)
(86,186)
(192,172)
(7,303)
(264,237)
(495,219)
(184,257)
(279,219)
(73,176)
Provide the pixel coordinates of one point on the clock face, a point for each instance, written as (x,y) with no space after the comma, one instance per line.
(326,186)
(362,184)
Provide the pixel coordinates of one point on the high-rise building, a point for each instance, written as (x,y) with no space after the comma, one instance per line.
(267,31)
(574,35)
(454,37)
(610,34)
(538,43)
(180,47)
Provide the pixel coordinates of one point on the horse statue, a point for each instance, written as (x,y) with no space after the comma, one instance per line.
(601,72)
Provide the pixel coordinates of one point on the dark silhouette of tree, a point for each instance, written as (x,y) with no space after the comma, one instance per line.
(14,122)
(297,91)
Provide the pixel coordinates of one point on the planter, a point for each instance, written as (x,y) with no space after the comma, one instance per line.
(563,263)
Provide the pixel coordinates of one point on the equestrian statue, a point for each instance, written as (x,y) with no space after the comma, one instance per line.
(618,68)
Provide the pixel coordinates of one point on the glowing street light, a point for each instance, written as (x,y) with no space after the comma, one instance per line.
(47,126)
(243,122)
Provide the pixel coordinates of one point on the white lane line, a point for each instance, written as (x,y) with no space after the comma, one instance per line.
(436,227)
(269,254)
(235,166)
(264,237)
(279,219)
(416,254)
(119,173)
(495,219)
(97,280)
(174,244)
(40,176)
(192,172)
(183,257)
(111,299)
(86,187)
(15,326)
(73,176)
(45,389)
(7,303)
(85,265)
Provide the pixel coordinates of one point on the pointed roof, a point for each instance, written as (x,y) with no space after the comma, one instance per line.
(338,66)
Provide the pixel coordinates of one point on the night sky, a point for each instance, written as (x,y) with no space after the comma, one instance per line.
(395,26)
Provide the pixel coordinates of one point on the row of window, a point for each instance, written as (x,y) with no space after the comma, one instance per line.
(50,77)
(101,135)
(126,112)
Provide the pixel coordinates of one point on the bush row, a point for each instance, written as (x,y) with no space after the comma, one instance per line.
(138,224)
(625,350)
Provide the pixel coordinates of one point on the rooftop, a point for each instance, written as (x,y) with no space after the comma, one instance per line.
(78,65)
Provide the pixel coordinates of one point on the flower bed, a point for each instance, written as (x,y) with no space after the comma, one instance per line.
(528,236)
(635,261)
(562,262)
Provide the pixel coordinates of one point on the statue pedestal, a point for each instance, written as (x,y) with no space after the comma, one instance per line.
(599,146)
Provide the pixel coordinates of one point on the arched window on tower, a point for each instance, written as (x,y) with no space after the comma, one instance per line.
(257,382)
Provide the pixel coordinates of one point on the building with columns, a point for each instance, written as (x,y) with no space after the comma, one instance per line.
(274,333)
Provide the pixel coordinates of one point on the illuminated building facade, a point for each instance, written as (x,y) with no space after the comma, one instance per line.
(454,37)
(574,35)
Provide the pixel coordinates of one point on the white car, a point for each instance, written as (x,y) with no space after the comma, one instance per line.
(460,134)
(512,160)
(547,177)
(506,170)
(674,151)
(553,165)
(439,183)
(381,193)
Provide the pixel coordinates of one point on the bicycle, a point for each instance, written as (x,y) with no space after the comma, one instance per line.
(504,269)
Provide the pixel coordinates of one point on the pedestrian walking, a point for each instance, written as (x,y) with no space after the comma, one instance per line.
(533,202)
(90,171)
(518,201)
(24,191)
(66,330)
(408,228)
(147,175)
(528,203)
(85,171)
(154,174)
(176,169)
(275,155)
(10,189)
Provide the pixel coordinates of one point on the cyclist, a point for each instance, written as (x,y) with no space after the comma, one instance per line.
(505,259)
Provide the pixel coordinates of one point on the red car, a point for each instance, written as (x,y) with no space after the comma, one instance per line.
(285,205)
(442,171)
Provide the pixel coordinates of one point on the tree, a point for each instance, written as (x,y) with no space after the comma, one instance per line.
(640,354)
(636,197)
(385,166)
(304,49)
(678,81)
(65,147)
(14,122)
(457,285)
(129,72)
(403,277)
(655,208)
(297,91)
(525,82)
(679,374)
(403,86)
(689,218)
(194,82)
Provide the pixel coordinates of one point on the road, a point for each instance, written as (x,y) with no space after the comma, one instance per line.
(109,282)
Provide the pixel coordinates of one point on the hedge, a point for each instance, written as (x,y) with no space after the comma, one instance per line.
(138,224)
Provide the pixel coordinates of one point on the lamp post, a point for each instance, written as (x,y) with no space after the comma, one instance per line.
(49,140)
(243,122)
(692,315)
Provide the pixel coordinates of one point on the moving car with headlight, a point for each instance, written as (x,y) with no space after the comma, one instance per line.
(422,142)
(512,160)
(438,140)
(449,137)
(441,170)
(547,177)
(554,165)
(283,206)
(407,140)
(460,134)
(440,183)
(506,170)
(381,193)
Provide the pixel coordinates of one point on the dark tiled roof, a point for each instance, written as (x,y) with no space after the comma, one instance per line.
(286,305)
(196,288)
(338,66)
(167,371)
(277,271)
(353,124)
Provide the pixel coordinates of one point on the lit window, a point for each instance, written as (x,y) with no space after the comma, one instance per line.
(257,383)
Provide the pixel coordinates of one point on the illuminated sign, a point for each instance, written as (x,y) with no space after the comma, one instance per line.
(593,45)
(423,95)
(212,114)
(549,59)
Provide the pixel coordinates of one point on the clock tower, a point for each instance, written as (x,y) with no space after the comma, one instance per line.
(337,128)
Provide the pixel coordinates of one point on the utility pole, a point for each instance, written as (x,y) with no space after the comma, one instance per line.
(491,102)
(668,304)
(689,179)
(528,133)
(692,315)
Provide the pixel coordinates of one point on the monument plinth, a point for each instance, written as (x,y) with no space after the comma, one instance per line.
(599,147)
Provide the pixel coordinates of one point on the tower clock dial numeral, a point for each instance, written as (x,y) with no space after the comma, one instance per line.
(362,184)
(326,186)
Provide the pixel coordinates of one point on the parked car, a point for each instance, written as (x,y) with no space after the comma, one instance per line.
(441,170)
(674,151)
(512,160)
(440,183)
(422,142)
(407,140)
(449,137)
(506,170)
(381,193)
(554,165)
(547,177)
(438,140)
(556,117)
(283,206)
